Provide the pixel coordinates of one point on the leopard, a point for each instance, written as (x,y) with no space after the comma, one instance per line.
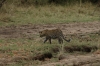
(53,34)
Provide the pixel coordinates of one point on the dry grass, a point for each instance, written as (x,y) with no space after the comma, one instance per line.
(49,14)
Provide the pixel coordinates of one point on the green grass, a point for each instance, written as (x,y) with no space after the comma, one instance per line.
(48,14)
(33,47)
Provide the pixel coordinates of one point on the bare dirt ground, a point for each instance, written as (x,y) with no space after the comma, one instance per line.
(80,60)
(28,32)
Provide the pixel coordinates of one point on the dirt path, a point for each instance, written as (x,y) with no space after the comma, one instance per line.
(80,60)
(28,31)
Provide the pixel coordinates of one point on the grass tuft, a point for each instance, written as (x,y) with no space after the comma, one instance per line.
(49,14)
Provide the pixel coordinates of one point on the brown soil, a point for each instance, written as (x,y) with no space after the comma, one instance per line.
(80,60)
(29,31)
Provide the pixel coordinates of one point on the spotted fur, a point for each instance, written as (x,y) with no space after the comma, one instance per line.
(53,34)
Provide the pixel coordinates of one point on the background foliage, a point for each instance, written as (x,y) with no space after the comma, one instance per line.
(43,2)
